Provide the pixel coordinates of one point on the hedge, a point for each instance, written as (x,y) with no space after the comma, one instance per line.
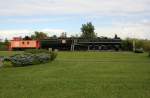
(36,51)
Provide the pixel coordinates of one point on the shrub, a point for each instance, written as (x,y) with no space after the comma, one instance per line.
(26,59)
(7,64)
(41,58)
(36,51)
(53,55)
(140,50)
(128,44)
(21,59)
(31,57)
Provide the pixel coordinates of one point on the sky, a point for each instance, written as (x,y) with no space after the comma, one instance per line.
(126,18)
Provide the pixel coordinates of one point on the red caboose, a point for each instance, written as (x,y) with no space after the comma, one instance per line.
(18,43)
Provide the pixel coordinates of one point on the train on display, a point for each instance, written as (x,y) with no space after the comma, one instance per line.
(67,44)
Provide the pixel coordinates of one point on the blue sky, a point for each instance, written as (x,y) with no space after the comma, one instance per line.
(127,18)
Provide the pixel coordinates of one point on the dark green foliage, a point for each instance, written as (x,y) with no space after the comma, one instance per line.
(127,44)
(53,55)
(31,57)
(140,50)
(26,59)
(88,31)
(20,59)
(6,41)
(3,46)
(5,59)
(27,38)
(145,44)
(39,35)
(36,51)
(149,54)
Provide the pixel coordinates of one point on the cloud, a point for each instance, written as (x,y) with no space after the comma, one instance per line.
(127,18)
(21,33)
(67,7)
(32,20)
(127,29)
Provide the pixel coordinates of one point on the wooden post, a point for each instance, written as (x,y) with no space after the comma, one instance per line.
(88,48)
(72,47)
(133,45)
(100,47)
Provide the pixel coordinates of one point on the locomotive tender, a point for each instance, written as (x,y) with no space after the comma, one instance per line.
(67,44)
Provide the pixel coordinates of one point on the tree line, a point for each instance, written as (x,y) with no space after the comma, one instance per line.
(88,32)
(127,44)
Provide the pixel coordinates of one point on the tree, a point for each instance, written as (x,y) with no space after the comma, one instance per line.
(88,30)
(63,35)
(76,36)
(0,39)
(116,37)
(39,35)
(54,36)
(6,41)
(27,38)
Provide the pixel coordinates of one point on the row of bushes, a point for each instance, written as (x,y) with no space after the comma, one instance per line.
(127,44)
(31,57)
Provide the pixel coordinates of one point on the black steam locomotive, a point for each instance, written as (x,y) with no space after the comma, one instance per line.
(81,44)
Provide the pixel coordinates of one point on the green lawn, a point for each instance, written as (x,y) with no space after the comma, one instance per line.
(80,75)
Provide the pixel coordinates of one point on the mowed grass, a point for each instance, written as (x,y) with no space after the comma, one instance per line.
(80,75)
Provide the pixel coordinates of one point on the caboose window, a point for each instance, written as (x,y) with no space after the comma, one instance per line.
(22,42)
(28,43)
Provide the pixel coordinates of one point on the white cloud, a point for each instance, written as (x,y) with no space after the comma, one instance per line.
(126,30)
(32,20)
(89,8)
(21,33)
(59,7)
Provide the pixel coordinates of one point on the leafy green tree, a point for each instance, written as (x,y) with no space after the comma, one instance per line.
(63,35)
(127,44)
(88,31)
(4,45)
(27,38)
(39,35)
(54,36)
(6,41)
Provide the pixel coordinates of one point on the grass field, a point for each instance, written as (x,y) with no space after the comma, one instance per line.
(80,75)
